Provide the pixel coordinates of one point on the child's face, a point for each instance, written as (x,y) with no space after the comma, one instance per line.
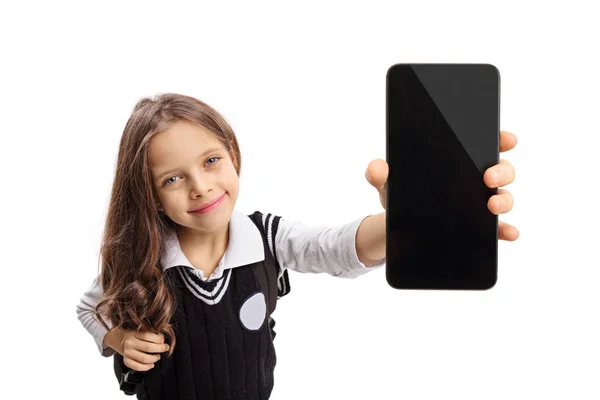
(191,167)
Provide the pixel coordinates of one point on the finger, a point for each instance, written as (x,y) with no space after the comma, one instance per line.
(151,337)
(136,366)
(377,173)
(141,357)
(507,232)
(148,347)
(501,203)
(499,175)
(508,141)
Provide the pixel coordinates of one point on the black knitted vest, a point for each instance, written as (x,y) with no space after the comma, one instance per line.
(224,332)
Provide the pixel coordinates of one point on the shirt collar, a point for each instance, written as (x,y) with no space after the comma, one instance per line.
(246,246)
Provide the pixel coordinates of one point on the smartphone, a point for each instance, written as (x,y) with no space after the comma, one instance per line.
(442,134)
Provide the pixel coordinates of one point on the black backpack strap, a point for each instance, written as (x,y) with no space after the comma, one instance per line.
(283,283)
(270,225)
(129,380)
(269,286)
(275,287)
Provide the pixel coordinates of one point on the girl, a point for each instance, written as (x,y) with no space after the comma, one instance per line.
(188,283)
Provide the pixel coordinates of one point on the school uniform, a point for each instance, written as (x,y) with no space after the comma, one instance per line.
(223,322)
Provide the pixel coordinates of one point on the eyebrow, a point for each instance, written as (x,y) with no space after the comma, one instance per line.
(158,177)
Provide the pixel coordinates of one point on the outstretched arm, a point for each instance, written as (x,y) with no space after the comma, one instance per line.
(325,249)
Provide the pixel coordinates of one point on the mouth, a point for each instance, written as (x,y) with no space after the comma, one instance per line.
(208,206)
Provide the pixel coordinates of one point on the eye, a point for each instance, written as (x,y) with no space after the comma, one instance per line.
(169,181)
(214,158)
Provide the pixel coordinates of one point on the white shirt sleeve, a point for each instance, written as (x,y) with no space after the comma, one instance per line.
(85,314)
(318,249)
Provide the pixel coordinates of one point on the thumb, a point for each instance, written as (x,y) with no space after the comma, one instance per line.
(377,174)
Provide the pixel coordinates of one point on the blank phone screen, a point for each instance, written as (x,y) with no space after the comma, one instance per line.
(442,135)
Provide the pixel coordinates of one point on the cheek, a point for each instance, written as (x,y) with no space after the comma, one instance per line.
(233,180)
(159,199)
(229,182)
(172,201)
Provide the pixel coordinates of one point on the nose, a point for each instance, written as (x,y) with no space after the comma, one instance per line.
(200,185)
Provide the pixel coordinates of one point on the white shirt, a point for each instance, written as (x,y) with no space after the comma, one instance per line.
(301,248)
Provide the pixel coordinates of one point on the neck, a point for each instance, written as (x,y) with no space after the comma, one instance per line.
(197,244)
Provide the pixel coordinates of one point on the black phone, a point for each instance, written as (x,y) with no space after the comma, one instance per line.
(442,134)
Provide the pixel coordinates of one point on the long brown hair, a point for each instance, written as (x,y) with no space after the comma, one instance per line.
(136,296)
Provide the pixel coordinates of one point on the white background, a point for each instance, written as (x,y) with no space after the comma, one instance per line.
(303,86)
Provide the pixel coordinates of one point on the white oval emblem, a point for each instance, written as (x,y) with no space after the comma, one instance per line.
(253,311)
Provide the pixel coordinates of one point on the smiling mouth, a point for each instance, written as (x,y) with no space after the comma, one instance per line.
(209,205)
